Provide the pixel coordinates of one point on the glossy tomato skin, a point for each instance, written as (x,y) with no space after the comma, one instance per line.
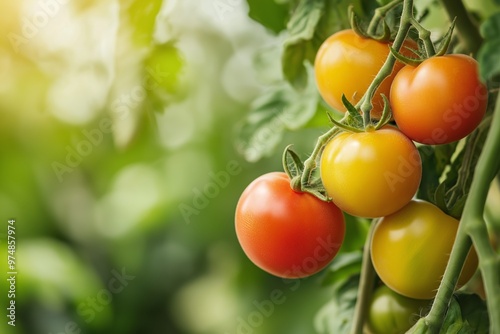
(392,313)
(440,101)
(287,233)
(410,250)
(371,174)
(347,63)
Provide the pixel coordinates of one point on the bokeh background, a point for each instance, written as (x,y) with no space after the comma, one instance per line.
(121,165)
(114,116)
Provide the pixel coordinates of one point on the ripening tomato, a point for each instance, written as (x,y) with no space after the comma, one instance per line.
(391,313)
(410,250)
(440,101)
(371,174)
(288,234)
(347,63)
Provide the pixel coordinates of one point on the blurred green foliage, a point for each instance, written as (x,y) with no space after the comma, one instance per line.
(115,115)
(112,115)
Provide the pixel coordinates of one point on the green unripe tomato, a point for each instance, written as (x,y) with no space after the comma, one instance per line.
(391,313)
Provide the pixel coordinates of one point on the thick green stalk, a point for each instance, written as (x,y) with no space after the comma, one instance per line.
(472,225)
(466,29)
(461,248)
(366,283)
(386,69)
(487,168)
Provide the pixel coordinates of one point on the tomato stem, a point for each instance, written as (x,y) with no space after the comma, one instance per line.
(467,30)
(312,162)
(366,284)
(425,36)
(473,226)
(379,14)
(365,103)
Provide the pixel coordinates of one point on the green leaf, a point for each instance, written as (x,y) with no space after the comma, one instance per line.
(297,46)
(311,23)
(271,114)
(489,66)
(336,316)
(490,29)
(271,14)
(293,59)
(453,316)
(343,267)
(434,161)
(459,177)
(474,311)
(355,234)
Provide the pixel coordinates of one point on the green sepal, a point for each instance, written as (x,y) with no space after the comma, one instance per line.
(386,113)
(445,43)
(386,35)
(292,164)
(355,26)
(343,126)
(319,194)
(405,60)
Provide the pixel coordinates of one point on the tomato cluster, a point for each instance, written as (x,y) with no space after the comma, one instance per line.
(373,172)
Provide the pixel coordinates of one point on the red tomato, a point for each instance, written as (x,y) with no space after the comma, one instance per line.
(440,101)
(286,233)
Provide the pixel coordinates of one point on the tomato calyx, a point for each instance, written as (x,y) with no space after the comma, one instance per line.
(385,36)
(428,45)
(301,180)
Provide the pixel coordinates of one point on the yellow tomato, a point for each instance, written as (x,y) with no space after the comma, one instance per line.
(410,250)
(371,174)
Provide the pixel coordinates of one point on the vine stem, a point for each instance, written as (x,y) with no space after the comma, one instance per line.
(424,35)
(472,229)
(366,284)
(379,14)
(365,103)
(466,29)
(311,163)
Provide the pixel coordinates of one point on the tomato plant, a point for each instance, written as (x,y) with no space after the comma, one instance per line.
(346,64)
(284,232)
(439,101)
(392,313)
(410,250)
(429,198)
(371,174)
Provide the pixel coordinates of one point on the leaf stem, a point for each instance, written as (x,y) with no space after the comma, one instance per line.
(366,284)
(472,225)
(466,29)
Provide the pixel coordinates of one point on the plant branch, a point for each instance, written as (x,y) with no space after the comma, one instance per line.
(379,14)
(467,30)
(366,284)
(489,261)
(425,36)
(472,224)
(311,163)
(366,102)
